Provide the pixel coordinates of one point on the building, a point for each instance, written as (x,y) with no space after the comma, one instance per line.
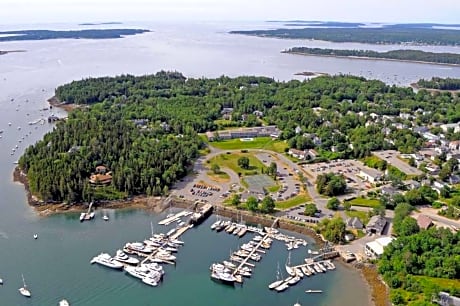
(101,176)
(453,126)
(298,154)
(424,222)
(445,299)
(355,223)
(376,225)
(253,132)
(370,175)
(375,248)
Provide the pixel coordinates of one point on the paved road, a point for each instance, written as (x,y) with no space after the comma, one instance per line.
(391,157)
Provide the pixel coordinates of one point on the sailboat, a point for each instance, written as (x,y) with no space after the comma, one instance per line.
(278,281)
(290,270)
(23,290)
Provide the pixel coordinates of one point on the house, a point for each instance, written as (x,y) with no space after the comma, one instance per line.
(448,126)
(370,175)
(101,176)
(405,116)
(313,153)
(226,110)
(374,249)
(376,225)
(298,154)
(258,113)
(355,223)
(420,129)
(411,184)
(453,156)
(430,136)
(424,222)
(140,122)
(298,129)
(445,299)
(454,145)
(389,190)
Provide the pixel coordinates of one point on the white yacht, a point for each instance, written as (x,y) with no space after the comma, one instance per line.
(154,267)
(64,302)
(223,277)
(217,267)
(229,264)
(105,260)
(294,280)
(139,247)
(23,290)
(123,257)
(282,287)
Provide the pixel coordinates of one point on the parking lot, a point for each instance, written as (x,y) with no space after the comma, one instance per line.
(348,168)
(290,186)
(391,156)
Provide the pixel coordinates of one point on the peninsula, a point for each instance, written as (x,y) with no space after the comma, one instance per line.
(22,35)
(412,34)
(397,55)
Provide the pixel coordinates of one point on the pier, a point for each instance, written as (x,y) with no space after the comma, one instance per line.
(254,249)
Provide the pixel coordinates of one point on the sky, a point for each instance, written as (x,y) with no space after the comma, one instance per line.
(402,11)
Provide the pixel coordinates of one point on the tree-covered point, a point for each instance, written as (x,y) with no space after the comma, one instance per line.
(70,34)
(439,83)
(403,55)
(383,35)
(133,124)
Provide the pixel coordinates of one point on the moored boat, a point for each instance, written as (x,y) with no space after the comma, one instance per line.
(23,290)
(106,260)
(123,257)
(64,302)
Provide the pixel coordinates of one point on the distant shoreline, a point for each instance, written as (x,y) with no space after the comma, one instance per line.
(372,58)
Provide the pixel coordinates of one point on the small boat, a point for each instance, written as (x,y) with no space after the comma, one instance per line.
(282,287)
(105,260)
(313,291)
(123,257)
(223,277)
(105,218)
(64,302)
(35,236)
(290,270)
(82,216)
(1,281)
(23,290)
(294,280)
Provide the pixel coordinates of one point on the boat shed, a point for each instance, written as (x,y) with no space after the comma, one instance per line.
(375,248)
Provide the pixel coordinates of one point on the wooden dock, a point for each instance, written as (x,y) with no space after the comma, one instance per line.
(254,249)
(173,218)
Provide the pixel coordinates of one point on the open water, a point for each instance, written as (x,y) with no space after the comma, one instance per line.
(57,265)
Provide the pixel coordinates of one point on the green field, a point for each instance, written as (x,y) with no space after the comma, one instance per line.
(266,143)
(297,200)
(364,202)
(219,177)
(230,161)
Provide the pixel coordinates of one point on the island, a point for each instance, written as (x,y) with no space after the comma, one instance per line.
(439,84)
(100,23)
(398,55)
(414,34)
(71,34)
(10,51)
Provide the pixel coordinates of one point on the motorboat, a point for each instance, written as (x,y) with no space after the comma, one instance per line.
(229,264)
(151,281)
(215,224)
(1,281)
(35,236)
(123,257)
(223,277)
(23,290)
(105,218)
(313,291)
(139,247)
(217,267)
(153,266)
(64,302)
(106,260)
(305,270)
(321,267)
(82,216)
(298,272)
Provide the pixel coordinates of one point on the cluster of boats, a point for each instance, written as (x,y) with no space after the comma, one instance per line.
(230,227)
(157,249)
(296,273)
(229,272)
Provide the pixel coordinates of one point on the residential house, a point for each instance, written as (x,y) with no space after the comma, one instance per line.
(430,136)
(376,225)
(297,153)
(101,176)
(258,114)
(389,190)
(355,223)
(411,184)
(454,145)
(424,222)
(313,153)
(453,126)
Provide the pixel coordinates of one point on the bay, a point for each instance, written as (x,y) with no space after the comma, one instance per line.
(56,265)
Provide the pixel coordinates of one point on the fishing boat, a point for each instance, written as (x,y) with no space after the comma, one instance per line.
(23,290)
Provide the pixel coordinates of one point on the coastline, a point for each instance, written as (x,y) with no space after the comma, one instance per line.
(373,58)
(378,292)
(55,102)
(432,90)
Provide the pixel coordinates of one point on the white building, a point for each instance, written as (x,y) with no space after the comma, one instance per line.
(370,175)
(375,248)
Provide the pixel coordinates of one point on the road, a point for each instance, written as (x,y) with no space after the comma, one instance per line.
(391,156)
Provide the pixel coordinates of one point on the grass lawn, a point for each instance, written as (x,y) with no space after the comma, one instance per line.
(362,215)
(297,200)
(231,161)
(364,202)
(266,143)
(218,177)
(274,188)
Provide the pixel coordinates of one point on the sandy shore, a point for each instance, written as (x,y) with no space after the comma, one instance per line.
(54,101)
